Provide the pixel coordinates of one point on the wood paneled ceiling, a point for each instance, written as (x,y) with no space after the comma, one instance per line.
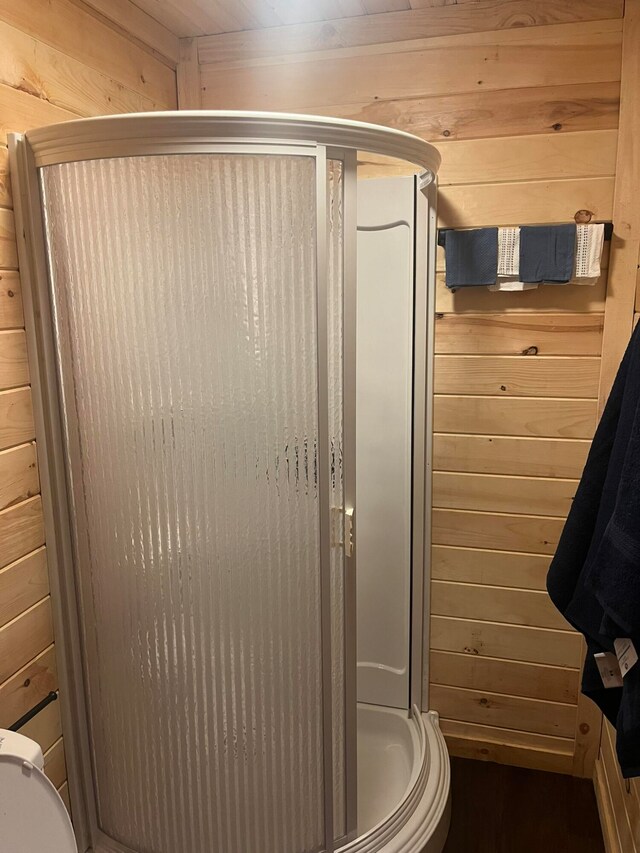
(207,17)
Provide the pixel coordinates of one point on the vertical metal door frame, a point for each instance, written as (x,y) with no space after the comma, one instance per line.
(425,242)
(53,482)
(350,221)
(418,473)
(349,159)
(324,486)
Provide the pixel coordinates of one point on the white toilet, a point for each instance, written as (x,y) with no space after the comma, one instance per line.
(33,817)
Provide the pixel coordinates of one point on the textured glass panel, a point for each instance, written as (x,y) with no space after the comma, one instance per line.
(185,310)
(335,365)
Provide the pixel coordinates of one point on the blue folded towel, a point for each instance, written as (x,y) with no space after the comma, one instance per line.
(547,253)
(471,256)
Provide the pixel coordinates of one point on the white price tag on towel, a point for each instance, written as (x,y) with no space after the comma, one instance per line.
(609,669)
(626,654)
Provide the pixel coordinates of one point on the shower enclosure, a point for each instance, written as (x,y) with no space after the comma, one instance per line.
(229,336)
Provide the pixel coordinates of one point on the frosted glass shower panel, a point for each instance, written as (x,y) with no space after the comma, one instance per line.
(184,292)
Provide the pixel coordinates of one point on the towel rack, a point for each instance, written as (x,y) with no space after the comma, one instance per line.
(35,710)
(608,227)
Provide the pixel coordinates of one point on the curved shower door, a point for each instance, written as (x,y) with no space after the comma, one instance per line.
(198,335)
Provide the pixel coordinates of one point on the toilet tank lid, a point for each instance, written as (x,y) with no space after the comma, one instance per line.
(19,746)
(33,816)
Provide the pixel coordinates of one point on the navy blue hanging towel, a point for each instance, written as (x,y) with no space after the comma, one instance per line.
(547,253)
(594,578)
(471,256)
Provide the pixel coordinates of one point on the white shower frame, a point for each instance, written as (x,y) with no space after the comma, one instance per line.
(225,132)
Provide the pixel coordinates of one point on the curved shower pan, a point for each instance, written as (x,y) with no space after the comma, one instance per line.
(194,286)
(403,766)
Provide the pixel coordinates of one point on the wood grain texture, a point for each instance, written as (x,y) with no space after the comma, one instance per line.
(136,24)
(419,23)
(546,299)
(77,33)
(21,530)
(20,692)
(45,728)
(16,417)
(527,203)
(379,166)
(539,109)
(623,274)
(504,746)
(183,21)
(188,76)
(551,683)
(497,493)
(14,367)
(8,249)
(495,604)
(21,111)
(627,790)
(525,416)
(5,178)
(24,638)
(588,731)
(54,764)
(23,584)
(194,18)
(500,334)
(555,156)
(587,52)
(485,566)
(605,809)
(517,376)
(512,642)
(509,712)
(534,534)
(497,454)
(19,478)
(623,805)
(561,35)
(31,66)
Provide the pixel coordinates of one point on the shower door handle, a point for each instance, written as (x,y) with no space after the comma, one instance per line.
(348,541)
(348,532)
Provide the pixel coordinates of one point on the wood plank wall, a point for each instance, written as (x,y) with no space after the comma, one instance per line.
(59,60)
(619,800)
(522,98)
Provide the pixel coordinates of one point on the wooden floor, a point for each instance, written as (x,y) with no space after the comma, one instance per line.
(499,809)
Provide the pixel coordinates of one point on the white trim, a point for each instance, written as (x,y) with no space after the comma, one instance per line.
(421,821)
(192,131)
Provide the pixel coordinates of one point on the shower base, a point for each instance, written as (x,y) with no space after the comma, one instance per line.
(403,782)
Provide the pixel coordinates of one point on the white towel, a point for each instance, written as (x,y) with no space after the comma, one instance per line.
(509,262)
(589,244)
(508,251)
